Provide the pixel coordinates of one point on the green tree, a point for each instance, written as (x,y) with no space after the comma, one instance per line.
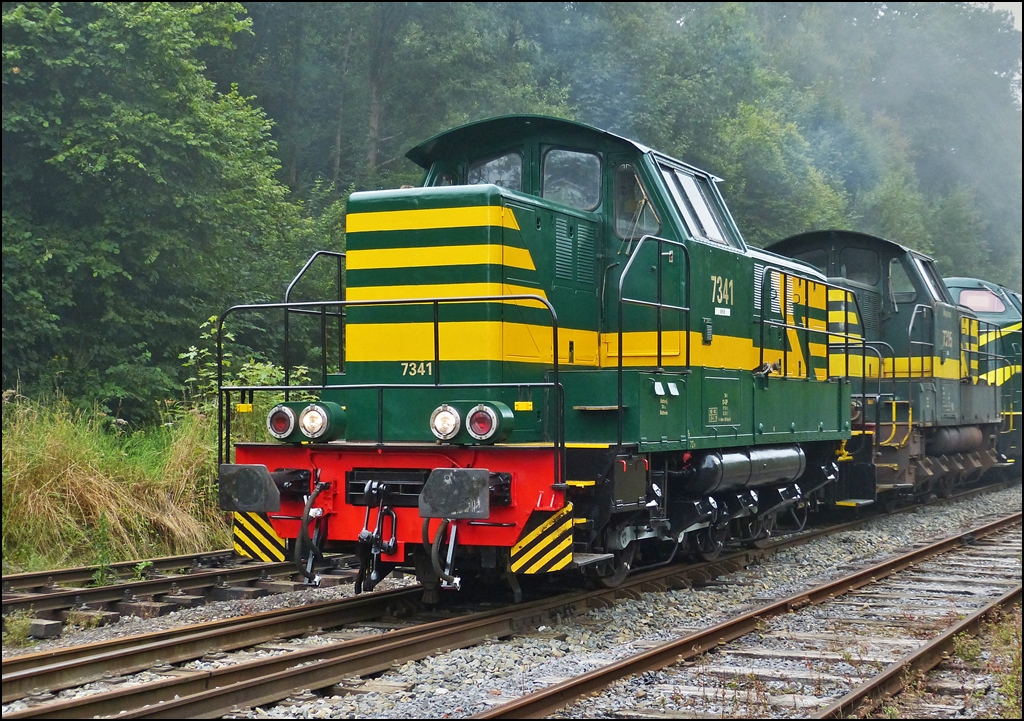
(774,188)
(136,199)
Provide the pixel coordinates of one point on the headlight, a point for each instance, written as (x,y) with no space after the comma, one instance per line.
(281,422)
(482,422)
(314,421)
(445,422)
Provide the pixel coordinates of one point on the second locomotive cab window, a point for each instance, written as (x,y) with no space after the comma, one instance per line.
(900,284)
(859,265)
(504,170)
(572,178)
(982,300)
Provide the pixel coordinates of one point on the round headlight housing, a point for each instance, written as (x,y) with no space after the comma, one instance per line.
(482,422)
(281,422)
(445,422)
(314,421)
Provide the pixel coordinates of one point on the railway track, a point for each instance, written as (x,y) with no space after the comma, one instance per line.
(153,587)
(123,570)
(218,691)
(824,652)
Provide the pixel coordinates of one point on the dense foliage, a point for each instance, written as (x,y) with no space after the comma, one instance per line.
(163,161)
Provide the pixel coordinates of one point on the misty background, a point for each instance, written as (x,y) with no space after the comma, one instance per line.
(164,161)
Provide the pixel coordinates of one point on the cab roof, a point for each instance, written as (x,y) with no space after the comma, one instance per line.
(453,141)
(816,237)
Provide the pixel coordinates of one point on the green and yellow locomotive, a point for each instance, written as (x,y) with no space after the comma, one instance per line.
(559,356)
(927,411)
(1000,307)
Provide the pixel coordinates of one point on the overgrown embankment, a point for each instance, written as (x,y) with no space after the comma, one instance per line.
(78,489)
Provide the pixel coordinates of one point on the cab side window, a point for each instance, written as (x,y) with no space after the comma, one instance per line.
(572,178)
(504,170)
(900,284)
(859,265)
(634,216)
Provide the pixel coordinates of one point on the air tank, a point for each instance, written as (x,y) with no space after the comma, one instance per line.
(718,472)
(958,439)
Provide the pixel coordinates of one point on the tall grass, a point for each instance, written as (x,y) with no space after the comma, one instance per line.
(79,490)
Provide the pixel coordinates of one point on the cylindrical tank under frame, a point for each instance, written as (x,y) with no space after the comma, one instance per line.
(955,439)
(719,472)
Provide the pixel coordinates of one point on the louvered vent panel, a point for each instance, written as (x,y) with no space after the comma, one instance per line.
(869,303)
(758,280)
(563,249)
(585,252)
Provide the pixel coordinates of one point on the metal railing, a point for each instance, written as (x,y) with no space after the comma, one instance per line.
(225,391)
(659,305)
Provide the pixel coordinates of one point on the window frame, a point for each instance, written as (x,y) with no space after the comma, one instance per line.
(598,176)
(484,160)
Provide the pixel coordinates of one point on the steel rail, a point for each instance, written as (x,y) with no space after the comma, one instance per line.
(64,668)
(121,655)
(894,678)
(101,595)
(39,579)
(68,667)
(546,701)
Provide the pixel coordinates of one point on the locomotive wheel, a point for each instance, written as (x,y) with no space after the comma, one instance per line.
(710,541)
(622,565)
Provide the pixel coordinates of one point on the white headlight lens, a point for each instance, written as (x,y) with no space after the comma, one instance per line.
(313,421)
(445,422)
(281,421)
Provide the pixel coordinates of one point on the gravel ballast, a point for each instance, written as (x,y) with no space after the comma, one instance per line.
(465,681)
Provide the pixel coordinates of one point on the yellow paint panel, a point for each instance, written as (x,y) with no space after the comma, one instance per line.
(839,317)
(816,296)
(642,345)
(1001,375)
(444,290)
(432,218)
(838,366)
(387,258)
(401,342)
(992,335)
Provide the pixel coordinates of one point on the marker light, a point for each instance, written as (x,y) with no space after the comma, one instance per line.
(445,422)
(482,422)
(314,421)
(281,422)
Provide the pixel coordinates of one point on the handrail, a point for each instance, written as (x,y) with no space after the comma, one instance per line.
(339,256)
(660,305)
(923,310)
(224,391)
(784,282)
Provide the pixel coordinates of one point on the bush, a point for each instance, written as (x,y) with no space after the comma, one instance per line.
(79,489)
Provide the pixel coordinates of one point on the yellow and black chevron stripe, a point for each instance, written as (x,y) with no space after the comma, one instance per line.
(545,544)
(254,538)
